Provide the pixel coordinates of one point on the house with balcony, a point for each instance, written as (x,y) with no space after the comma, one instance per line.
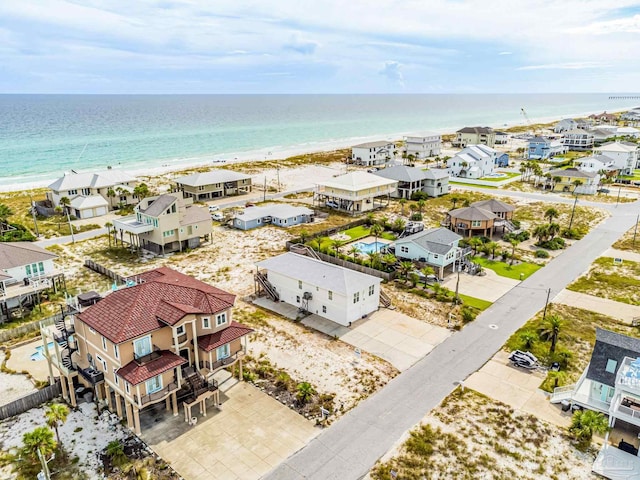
(436,247)
(542,148)
(423,145)
(160,340)
(355,192)
(623,154)
(433,182)
(578,140)
(604,118)
(373,153)
(474,161)
(502,138)
(475,136)
(278,214)
(216,183)
(93,194)
(26,271)
(597,164)
(165,223)
(337,293)
(566,181)
(481,218)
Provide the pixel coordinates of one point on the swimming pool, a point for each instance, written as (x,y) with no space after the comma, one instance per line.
(39,353)
(369,247)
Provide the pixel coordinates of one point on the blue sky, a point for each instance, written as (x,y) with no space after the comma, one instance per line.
(319,46)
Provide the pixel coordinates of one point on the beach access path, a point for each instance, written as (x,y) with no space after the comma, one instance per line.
(350,447)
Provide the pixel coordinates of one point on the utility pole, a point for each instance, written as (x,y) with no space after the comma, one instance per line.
(278,172)
(457,297)
(73,239)
(573,211)
(264,196)
(544,314)
(618,199)
(33,214)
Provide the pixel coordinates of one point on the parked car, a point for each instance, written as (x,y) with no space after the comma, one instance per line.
(604,190)
(428,278)
(332,204)
(213,208)
(218,217)
(371,170)
(249,204)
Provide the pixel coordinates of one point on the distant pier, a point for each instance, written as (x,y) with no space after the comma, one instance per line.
(625,97)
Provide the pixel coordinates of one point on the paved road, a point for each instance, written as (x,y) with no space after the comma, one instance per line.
(352,445)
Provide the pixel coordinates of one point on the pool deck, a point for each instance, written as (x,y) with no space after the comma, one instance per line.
(369,239)
(21,360)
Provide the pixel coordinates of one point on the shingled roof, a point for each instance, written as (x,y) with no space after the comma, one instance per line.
(493,205)
(610,346)
(472,213)
(17,254)
(161,297)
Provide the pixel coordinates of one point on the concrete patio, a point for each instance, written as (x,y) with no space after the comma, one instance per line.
(488,287)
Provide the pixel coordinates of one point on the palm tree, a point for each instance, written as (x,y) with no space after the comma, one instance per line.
(427,272)
(421,204)
(576,183)
(315,245)
(398,225)
(553,229)
(56,415)
(141,191)
(111,194)
(585,423)
(541,232)
(383,222)
(389,259)
(109,225)
(376,231)
(405,267)
(528,339)
(336,244)
(551,331)
(491,247)
(304,392)
(475,243)
(414,278)
(551,213)
(354,250)
(556,180)
(304,235)
(375,259)
(41,439)
(402,202)
(454,199)
(115,452)
(514,243)
(65,202)
(5,213)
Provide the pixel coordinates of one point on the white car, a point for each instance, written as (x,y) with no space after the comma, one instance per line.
(218,217)
(213,208)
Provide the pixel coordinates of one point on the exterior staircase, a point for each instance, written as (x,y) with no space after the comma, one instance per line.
(562,393)
(266,286)
(510,227)
(385,301)
(302,249)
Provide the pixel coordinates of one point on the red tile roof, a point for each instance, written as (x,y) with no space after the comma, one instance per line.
(161,297)
(135,374)
(215,340)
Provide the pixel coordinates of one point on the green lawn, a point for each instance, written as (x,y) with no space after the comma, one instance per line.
(635,176)
(355,233)
(358,232)
(506,176)
(510,271)
(475,302)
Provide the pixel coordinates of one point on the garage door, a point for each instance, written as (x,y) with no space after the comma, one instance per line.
(101,211)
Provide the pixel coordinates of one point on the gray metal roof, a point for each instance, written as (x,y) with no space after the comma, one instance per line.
(107,178)
(373,144)
(572,173)
(212,177)
(159,205)
(276,210)
(610,346)
(436,173)
(17,254)
(475,130)
(402,173)
(493,205)
(436,240)
(318,273)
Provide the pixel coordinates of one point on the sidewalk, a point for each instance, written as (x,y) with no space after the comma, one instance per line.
(621,311)
(623,254)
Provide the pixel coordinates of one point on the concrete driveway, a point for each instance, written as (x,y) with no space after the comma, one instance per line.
(487,287)
(245,439)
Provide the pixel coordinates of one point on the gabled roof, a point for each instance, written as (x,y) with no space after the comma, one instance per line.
(214,340)
(477,130)
(194,214)
(578,131)
(495,206)
(218,175)
(402,173)
(91,201)
(610,346)
(377,144)
(356,181)
(436,173)
(104,179)
(472,213)
(539,140)
(277,210)
(572,173)
(159,205)
(318,273)
(161,297)
(617,147)
(135,374)
(474,153)
(436,240)
(17,254)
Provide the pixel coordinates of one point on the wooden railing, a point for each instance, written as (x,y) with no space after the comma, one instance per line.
(149,357)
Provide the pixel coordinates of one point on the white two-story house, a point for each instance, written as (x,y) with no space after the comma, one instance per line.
(474,161)
(372,153)
(423,145)
(623,154)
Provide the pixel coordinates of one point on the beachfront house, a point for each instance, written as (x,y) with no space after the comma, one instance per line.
(355,192)
(433,182)
(604,118)
(565,125)
(165,223)
(501,138)
(93,194)
(628,132)
(279,214)
(26,270)
(436,247)
(481,218)
(632,117)
(578,140)
(542,148)
(423,145)
(373,153)
(158,341)
(475,136)
(623,154)
(339,294)
(595,163)
(567,179)
(216,183)
(602,134)
(474,161)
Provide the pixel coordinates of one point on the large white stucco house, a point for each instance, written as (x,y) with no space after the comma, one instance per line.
(623,154)
(474,161)
(423,145)
(330,291)
(372,153)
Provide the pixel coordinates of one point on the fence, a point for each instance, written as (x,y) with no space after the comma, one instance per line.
(11,333)
(96,267)
(30,401)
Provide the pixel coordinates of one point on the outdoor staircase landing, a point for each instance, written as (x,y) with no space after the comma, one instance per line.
(385,301)
(268,288)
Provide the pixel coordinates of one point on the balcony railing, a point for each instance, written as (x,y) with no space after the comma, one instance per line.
(155,396)
(91,375)
(628,378)
(182,338)
(149,357)
(627,413)
(224,362)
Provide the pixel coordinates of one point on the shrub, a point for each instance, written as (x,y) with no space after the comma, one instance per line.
(468,314)
(520,236)
(542,254)
(419,196)
(416,217)
(572,234)
(556,243)
(283,380)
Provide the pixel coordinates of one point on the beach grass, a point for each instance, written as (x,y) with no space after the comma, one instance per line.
(605,279)
(519,271)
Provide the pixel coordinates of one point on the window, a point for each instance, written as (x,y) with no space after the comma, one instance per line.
(100,361)
(404,249)
(73,192)
(297,298)
(123,198)
(154,384)
(356,297)
(115,376)
(92,330)
(324,309)
(330,295)
(476,223)
(142,347)
(180,330)
(206,322)
(127,387)
(611,366)
(300,284)
(372,290)
(168,233)
(86,191)
(104,344)
(221,319)
(116,351)
(222,352)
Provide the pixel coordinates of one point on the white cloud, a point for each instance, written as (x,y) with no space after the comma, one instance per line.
(392,71)
(621,25)
(301,45)
(566,66)
(505,53)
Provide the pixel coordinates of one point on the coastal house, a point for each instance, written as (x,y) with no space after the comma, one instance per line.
(481,218)
(26,270)
(604,118)
(216,183)
(433,182)
(165,223)
(602,134)
(623,154)
(628,132)
(595,163)
(542,148)
(158,341)
(423,145)
(355,192)
(339,294)
(567,178)
(501,138)
(475,136)
(373,153)
(473,161)
(93,194)
(436,247)
(565,125)
(632,117)
(279,214)
(578,140)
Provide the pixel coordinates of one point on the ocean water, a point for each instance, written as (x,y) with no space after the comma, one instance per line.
(42,136)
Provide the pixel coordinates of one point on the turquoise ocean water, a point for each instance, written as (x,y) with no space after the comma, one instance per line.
(42,136)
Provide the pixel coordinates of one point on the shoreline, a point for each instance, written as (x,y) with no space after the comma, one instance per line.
(173,167)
